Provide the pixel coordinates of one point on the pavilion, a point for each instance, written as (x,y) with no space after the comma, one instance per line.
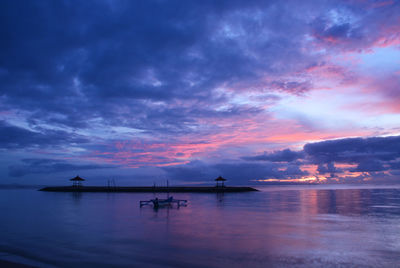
(218,180)
(77,181)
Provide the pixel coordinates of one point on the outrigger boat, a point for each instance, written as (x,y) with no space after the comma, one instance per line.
(164,202)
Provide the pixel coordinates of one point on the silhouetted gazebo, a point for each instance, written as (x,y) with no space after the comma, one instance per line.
(77,181)
(220,180)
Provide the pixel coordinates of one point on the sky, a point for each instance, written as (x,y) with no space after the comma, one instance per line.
(147,91)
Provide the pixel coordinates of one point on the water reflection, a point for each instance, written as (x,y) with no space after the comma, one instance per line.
(275,228)
(220,198)
(357,201)
(76,196)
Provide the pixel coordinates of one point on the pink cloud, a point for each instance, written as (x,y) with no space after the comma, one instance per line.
(227,143)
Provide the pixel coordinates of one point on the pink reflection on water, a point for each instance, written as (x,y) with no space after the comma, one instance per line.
(279,228)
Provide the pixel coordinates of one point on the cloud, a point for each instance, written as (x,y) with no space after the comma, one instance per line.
(15,137)
(48,166)
(372,155)
(112,61)
(395,165)
(369,165)
(324,168)
(292,87)
(193,171)
(285,155)
(354,150)
(111,58)
(190,81)
(353,27)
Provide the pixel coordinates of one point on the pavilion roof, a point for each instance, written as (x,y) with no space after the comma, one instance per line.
(77,178)
(220,179)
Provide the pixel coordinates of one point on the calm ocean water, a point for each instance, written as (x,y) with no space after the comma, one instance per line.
(277,227)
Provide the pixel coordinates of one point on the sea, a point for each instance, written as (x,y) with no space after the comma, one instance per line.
(278,226)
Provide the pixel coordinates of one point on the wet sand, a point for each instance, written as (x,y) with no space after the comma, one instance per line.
(9,264)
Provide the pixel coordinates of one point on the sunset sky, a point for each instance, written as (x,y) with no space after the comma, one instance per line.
(145,91)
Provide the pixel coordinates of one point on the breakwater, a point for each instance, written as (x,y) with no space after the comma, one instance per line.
(144,189)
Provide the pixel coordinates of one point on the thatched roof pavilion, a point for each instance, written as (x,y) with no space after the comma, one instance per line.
(77,181)
(220,179)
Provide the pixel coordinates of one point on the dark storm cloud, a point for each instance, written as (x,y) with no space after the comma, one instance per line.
(14,137)
(285,155)
(354,150)
(248,171)
(373,155)
(324,168)
(369,165)
(195,170)
(48,166)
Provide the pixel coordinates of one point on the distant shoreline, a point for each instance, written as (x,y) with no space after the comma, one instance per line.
(146,189)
